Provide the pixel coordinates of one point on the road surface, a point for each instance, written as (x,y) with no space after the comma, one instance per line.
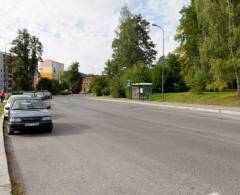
(114,148)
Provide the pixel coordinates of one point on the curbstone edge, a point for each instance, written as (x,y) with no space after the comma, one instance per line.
(5,184)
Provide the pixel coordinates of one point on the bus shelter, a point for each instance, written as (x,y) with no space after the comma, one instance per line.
(142,91)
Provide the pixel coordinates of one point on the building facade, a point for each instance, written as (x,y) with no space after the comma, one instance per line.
(2,64)
(6,78)
(51,69)
(86,83)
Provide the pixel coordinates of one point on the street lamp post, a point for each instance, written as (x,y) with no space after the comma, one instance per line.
(163,57)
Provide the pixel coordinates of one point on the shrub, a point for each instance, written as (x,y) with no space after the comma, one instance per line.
(117,89)
(45,84)
(100,86)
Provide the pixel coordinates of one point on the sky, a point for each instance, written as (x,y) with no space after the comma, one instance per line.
(83,30)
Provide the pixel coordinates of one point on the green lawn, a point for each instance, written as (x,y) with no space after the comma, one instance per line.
(1,110)
(207,98)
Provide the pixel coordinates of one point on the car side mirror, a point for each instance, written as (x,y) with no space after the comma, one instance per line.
(48,107)
(7,108)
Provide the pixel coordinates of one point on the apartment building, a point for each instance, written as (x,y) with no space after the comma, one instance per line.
(51,69)
(5,73)
(2,83)
(87,82)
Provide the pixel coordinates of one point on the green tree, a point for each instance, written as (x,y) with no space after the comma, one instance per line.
(100,86)
(56,87)
(132,44)
(72,78)
(220,23)
(138,73)
(117,87)
(189,36)
(65,78)
(25,53)
(45,84)
(50,85)
(173,80)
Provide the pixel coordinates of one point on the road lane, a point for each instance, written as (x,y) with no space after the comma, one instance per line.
(114,148)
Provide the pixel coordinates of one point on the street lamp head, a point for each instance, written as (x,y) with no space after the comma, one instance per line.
(154,25)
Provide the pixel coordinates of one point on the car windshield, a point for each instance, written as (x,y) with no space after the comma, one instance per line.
(28,104)
(13,97)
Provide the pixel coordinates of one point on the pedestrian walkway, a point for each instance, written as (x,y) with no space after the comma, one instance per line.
(5,184)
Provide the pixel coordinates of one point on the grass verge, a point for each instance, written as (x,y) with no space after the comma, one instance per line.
(207,98)
(1,110)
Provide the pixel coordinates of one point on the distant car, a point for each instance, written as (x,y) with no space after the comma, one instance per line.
(29,114)
(40,95)
(10,101)
(48,95)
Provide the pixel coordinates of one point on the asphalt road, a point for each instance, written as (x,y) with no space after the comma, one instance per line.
(107,148)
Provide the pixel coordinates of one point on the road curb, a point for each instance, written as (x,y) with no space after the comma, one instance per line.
(5,184)
(191,108)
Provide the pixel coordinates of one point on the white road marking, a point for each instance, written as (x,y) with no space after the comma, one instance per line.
(215,193)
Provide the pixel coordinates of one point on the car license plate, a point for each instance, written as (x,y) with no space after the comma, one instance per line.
(31,124)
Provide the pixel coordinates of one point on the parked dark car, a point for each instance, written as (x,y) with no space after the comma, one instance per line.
(29,114)
(10,101)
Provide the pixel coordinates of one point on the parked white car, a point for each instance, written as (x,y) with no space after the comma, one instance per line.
(10,101)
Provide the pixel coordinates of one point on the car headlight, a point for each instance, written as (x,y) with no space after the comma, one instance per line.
(46,118)
(14,119)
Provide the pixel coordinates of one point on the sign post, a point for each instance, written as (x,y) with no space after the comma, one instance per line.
(129,84)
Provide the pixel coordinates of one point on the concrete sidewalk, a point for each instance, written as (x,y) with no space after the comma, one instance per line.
(234,111)
(5,184)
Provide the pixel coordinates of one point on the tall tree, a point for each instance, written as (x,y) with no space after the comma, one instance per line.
(173,78)
(72,77)
(189,36)
(132,44)
(220,45)
(25,53)
(125,14)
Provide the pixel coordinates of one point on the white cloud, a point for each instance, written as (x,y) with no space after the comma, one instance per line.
(81,30)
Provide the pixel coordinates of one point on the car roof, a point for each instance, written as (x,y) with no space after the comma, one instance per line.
(21,95)
(18,96)
(14,97)
(28,92)
(27,98)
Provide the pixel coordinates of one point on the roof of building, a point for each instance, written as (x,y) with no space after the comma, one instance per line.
(53,61)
